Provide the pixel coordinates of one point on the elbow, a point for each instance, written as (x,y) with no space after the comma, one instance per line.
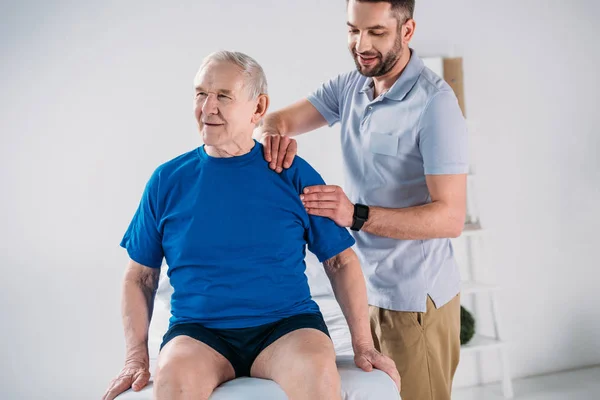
(333,267)
(340,263)
(456,230)
(456,224)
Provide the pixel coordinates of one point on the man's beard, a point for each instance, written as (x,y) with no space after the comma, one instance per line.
(385,64)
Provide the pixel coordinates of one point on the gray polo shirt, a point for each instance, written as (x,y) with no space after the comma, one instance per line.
(390,143)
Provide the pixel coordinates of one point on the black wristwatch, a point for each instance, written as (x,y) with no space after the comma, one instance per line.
(361,215)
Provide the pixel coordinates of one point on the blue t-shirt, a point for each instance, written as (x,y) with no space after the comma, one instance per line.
(233,233)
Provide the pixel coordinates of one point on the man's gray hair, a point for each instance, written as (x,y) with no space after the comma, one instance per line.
(256,81)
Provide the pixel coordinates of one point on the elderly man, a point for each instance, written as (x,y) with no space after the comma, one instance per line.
(233,233)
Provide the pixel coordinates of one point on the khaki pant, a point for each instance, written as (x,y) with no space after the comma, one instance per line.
(424,346)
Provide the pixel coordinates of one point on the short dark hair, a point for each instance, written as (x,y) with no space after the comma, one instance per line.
(405,9)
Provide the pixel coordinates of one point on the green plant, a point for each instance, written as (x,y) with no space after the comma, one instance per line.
(467,326)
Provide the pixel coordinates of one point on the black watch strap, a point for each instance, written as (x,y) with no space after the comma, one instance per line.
(361,215)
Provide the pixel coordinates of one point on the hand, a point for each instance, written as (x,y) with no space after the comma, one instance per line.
(134,375)
(279,151)
(369,358)
(329,201)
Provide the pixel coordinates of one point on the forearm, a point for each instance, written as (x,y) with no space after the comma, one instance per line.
(275,122)
(298,118)
(429,221)
(348,285)
(137,304)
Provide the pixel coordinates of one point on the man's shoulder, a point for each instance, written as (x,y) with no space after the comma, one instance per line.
(301,165)
(176,165)
(303,173)
(432,83)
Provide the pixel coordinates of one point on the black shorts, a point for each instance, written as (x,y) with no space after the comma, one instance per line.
(242,346)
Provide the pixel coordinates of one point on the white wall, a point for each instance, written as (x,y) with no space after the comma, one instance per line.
(94,96)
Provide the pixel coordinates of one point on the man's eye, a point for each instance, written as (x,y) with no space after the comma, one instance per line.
(353,31)
(201,94)
(223,97)
(377,33)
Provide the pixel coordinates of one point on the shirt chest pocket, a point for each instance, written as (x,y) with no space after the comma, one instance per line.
(392,144)
(391,126)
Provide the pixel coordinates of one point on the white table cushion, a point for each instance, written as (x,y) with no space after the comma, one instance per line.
(356,385)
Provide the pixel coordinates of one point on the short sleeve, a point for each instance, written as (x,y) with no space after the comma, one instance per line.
(142,239)
(327,99)
(325,239)
(443,138)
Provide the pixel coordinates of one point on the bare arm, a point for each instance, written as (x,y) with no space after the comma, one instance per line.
(444,217)
(348,285)
(139,288)
(278,127)
(350,291)
(298,118)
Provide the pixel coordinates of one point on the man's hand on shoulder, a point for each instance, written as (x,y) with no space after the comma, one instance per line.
(279,151)
(329,201)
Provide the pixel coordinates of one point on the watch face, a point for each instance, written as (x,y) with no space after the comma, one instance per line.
(362,212)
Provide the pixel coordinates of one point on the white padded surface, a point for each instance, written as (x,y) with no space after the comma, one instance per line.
(356,385)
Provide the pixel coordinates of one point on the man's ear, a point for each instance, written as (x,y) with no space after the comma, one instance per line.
(262,105)
(408,31)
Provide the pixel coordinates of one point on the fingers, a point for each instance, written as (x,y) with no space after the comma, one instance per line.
(395,377)
(279,151)
(393,373)
(274,151)
(319,197)
(284,142)
(321,212)
(363,363)
(321,189)
(267,148)
(290,154)
(369,360)
(117,387)
(321,204)
(141,380)
(388,366)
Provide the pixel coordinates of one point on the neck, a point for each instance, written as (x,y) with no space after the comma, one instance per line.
(232,149)
(383,83)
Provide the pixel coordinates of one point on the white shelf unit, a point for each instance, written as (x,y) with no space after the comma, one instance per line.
(480,342)
(473,234)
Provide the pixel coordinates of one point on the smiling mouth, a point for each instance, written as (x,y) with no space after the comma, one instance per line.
(366,60)
(211,124)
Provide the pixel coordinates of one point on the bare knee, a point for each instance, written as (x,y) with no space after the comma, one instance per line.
(303,364)
(317,372)
(179,369)
(188,370)
(177,378)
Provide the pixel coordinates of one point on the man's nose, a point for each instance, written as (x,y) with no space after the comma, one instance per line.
(363,44)
(210,105)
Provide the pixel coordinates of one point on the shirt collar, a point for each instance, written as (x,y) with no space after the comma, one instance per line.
(405,81)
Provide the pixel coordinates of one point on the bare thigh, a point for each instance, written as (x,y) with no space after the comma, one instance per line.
(186,365)
(302,362)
